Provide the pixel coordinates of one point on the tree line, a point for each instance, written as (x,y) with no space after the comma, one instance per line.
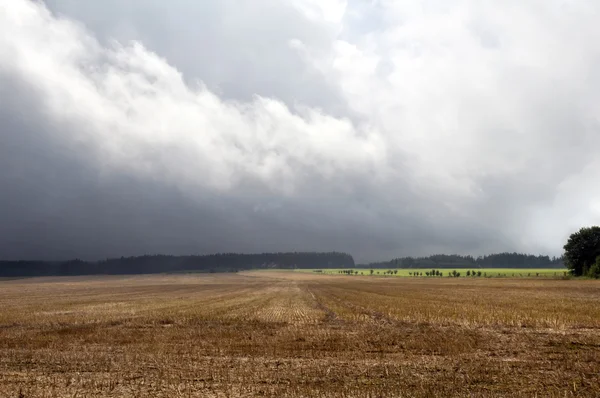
(498,260)
(151,264)
(232,262)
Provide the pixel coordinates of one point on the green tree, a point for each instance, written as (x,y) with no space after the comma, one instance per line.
(594,271)
(582,249)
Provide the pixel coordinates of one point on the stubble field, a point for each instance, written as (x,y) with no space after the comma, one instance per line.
(286,334)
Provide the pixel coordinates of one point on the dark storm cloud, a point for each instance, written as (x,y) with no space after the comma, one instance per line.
(381,130)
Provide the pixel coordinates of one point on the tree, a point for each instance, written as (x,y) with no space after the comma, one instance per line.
(582,249)
(594,271)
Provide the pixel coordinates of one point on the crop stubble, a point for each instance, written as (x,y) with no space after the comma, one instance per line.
(298,335)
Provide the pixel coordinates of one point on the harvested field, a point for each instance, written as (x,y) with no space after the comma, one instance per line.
(286,334)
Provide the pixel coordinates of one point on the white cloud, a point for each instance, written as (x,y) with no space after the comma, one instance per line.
(140,114)
(331,11)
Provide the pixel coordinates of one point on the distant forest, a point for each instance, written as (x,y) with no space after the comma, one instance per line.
(232,262)
(152,264)
(499,260)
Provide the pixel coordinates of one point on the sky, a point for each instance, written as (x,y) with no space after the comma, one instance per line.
(381,128)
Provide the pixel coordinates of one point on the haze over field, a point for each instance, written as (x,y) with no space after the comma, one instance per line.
(378,128)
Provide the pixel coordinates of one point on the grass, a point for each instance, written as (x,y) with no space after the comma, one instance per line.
(292,334)
(489,272)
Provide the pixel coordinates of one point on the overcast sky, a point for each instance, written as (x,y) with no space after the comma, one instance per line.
(381,128)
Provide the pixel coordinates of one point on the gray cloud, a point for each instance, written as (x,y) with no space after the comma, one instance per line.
(238,50)
(377,128)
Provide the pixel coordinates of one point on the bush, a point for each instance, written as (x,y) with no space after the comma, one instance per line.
(594,271)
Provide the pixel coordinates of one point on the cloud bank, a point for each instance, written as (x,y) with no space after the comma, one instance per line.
(381,128)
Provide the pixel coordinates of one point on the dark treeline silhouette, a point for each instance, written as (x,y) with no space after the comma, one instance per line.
(151,264)
(499,260)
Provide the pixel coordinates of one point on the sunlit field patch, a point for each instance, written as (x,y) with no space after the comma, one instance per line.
(447,272)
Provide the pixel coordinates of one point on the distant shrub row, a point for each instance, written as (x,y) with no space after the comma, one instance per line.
(450,274)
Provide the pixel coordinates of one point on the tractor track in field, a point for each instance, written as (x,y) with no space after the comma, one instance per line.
(330,316)
(373,315)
